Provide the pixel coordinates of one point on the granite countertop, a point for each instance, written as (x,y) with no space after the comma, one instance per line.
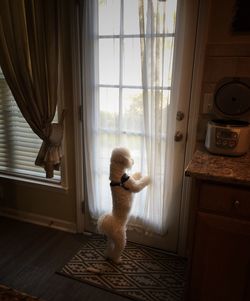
(225,169)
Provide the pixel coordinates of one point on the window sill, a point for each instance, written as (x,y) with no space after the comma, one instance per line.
(44,184)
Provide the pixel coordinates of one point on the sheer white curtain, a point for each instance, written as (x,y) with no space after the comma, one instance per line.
(127,55)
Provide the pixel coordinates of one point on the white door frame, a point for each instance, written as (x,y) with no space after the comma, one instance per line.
(195,99)
(78,124)
(201,39)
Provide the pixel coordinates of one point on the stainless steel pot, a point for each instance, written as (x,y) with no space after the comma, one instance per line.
(227,137)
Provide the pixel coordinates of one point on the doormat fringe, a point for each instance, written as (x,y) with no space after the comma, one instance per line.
(145,273)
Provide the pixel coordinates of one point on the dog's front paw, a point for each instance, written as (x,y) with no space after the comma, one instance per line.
(147,180)
(137,176)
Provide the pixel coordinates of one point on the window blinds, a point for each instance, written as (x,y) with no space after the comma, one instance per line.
(19,145)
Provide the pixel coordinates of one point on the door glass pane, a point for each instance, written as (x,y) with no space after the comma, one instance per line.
(164,16)
(158,67)
(109,17)
(109,60)
(165,111)
(132,62)
(109,108)
(168,61)
(131,17)
(132,109)
(170,18)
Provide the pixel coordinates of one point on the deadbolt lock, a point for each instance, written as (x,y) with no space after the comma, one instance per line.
(180,115)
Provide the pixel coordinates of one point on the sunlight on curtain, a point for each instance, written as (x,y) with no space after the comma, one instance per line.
(129,102)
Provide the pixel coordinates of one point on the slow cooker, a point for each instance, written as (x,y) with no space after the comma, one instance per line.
(229,134)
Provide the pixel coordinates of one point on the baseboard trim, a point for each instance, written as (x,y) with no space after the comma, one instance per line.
(37,219)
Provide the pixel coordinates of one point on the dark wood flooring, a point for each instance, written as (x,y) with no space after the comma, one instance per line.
(29,257)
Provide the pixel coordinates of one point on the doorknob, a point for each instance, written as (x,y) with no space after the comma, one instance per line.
(178,136)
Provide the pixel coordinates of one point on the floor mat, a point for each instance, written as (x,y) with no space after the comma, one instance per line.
(144,274)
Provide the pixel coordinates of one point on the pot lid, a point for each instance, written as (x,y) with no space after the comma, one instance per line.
(233,98)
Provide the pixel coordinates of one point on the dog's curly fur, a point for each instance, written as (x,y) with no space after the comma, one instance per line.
(113,225)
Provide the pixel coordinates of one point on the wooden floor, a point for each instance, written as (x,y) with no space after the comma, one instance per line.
(29,257)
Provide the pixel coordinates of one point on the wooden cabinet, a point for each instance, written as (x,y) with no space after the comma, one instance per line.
(220,256)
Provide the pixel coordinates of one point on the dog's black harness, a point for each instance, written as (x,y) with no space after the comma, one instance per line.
(124,178)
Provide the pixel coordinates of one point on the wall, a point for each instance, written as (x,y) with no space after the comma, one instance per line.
(52,206)
(227,54)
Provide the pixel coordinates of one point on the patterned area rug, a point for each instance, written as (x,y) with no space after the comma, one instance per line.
(144,274)
(10,294)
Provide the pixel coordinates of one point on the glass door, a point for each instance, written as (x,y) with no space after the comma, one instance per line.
(134,61)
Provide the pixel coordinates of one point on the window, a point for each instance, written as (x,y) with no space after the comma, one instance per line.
(19,145)
(133,54)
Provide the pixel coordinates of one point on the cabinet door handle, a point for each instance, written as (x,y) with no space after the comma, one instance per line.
(236,204)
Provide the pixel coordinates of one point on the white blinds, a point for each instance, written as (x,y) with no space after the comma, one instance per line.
(19,145)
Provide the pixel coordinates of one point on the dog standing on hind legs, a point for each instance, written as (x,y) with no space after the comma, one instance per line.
(113,225)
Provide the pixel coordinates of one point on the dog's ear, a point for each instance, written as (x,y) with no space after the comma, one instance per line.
(126,161)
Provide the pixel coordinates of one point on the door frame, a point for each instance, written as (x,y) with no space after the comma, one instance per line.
(194,106)
(195,91)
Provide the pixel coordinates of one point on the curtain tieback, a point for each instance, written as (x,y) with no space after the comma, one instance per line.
(55,135)
(50,153)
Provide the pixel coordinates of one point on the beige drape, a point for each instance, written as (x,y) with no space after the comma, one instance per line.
(30,60)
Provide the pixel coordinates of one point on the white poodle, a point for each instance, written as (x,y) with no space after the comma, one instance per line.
(113,225)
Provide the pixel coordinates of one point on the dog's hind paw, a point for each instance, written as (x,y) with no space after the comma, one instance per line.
(116,260)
